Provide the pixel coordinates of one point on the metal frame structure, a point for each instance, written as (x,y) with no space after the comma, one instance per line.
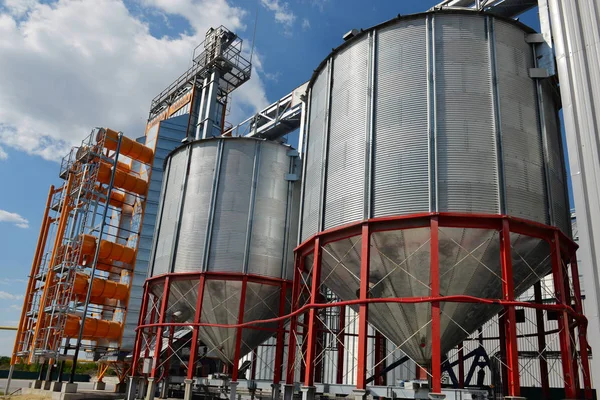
(66,289)
(572,324)
(157,340)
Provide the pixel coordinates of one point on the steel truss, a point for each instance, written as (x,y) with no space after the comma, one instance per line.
(309,302)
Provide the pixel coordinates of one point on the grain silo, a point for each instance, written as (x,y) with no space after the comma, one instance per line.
(434,188)
(222,255)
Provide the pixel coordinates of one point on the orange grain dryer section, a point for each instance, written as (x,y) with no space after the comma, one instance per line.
(93,328)
(129,148)
(122,180)
(108,250)
(101,288)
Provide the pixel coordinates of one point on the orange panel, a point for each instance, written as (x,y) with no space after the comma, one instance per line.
(108,250)
(93,328)
(122,180)
(129,147)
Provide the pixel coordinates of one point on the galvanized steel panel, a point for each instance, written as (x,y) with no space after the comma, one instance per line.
(521,140)
(314,156)
(270,212)
(170,214)
(401,152)
(345,181)
(192,231)
(231,208)
(466,156)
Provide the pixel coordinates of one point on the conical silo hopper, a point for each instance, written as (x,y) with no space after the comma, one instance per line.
(431,115)
(226,230)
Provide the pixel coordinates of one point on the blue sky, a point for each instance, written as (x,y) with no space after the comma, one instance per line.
(67,66)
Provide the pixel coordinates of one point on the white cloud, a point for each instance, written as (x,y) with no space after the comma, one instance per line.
(3,154)
(283,14)
(9,281)
(9,296)
(71,65)
(14,218)
(305,24)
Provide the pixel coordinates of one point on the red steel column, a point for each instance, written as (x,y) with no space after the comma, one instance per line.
(461,365)
(581,330)
(161,320)
(571,326)
(197,317)
(137,347)
(340,346)
(566,352)
(541,338)
(379,357)
(309,378)
(361,367)
(502,340)
(434,271)
(298,267)
(510,325)
(238,334)
(280,340)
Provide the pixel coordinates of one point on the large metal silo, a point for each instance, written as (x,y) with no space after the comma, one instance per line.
(222,252)
(427,136)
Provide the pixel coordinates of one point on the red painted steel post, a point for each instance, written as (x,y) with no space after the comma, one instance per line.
(339,379)
(510,325)
(582,331)
(566,352)
(140,332)
(197,317)
(461,365)
(161,320)
(309,376)
(280,339)
(541,338)
(434,271)
(298,267)
(363,312)
(319,354)
(239,331)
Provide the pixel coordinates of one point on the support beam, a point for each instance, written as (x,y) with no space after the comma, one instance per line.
(363,316)
(309,381)
(541,339)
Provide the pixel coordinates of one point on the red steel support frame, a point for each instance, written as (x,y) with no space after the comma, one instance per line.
(379,357)
(197,317)
(434,271)
(280,341)
(299,266)
(461,365)
(541,338)
(566,352)
(137,348)
(239,331)
(309,376)
(510,320)
(583,344)
(341,336)
(363,311)
(161,319)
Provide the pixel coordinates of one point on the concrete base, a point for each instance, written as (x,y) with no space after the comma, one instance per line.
(150,391)
(68,388)
(131,388)
(164,389)
(99,386)
(37,384)
(275,391)
(187,394)
(233,390)
(437,396)
(121,387)
(46,385)
(308,392)
(56,386)
(359,394)
(288,392)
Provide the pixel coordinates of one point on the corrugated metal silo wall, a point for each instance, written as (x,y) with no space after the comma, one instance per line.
(432,113)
